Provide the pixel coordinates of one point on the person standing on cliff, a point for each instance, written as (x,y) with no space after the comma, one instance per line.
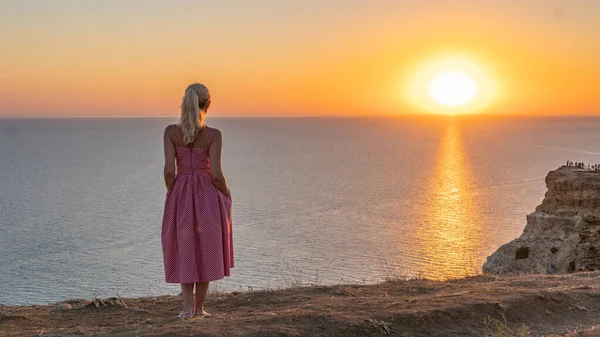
(196,233)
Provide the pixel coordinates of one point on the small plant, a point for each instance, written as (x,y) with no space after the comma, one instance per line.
(216,289)
(296,278)
(420,276)
(500,328)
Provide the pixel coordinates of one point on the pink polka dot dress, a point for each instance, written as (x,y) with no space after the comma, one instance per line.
(196,234)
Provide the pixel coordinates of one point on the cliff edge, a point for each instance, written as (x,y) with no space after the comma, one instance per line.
(562,235)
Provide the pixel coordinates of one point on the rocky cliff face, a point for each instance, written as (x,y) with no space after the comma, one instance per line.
(562,235)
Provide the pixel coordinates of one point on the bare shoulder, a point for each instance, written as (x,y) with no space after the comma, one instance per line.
(215,134)
(170,130)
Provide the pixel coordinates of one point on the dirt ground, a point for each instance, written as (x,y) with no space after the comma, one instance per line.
(531,305)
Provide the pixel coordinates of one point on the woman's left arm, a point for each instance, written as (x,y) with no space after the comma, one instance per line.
(216,171)
(169,171)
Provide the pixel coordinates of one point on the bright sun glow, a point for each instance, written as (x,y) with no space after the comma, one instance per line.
(454,84)
(452,88)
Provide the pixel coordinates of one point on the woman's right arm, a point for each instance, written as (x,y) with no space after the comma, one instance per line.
(216,171)
(169,171)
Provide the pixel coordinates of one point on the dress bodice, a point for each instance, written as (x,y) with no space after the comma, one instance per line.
(192,159)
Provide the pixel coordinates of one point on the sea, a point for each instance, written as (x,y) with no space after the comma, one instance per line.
(316,200)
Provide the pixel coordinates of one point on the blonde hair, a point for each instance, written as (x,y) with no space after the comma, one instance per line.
(193,110)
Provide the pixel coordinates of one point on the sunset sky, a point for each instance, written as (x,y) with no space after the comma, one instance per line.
(277,57)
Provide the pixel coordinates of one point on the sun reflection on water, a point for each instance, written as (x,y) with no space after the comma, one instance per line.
(448,236)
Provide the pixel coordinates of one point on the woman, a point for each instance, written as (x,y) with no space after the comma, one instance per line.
(196,230)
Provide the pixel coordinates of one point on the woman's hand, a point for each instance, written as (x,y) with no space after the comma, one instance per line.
(170,185)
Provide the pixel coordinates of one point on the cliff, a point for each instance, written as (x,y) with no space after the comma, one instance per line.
(562,235)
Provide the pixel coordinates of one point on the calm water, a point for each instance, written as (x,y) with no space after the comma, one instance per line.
(316,200)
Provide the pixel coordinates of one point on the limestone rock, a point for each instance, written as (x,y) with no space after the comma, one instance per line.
(64,307)
(106,302)
(562,235)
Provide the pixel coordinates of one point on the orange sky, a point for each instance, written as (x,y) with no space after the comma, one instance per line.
(98,58)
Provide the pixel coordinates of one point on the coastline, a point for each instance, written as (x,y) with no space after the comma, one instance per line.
(541,305)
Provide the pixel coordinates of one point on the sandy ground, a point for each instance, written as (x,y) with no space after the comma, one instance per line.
(531,305)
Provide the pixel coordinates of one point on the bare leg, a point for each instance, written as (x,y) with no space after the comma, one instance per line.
(201,290)
(187,292)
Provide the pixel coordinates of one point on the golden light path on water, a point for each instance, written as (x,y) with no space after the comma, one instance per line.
(449,234)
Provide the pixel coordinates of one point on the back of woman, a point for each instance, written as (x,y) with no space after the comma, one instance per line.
(196,231)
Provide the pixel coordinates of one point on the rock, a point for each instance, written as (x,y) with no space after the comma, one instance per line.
(64,307)
(562,235)
(522,253)
(108,302)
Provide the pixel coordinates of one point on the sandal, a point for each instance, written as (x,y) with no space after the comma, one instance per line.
(185,315)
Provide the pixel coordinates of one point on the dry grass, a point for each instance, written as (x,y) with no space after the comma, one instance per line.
(495,327)
(527,305)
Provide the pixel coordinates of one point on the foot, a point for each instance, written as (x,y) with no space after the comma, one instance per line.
(185,315)
(203,313)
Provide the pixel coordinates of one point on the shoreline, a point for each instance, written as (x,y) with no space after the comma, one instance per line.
(548,305)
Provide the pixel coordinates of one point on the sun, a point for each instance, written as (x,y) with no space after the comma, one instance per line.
(451,85)
(452,88)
